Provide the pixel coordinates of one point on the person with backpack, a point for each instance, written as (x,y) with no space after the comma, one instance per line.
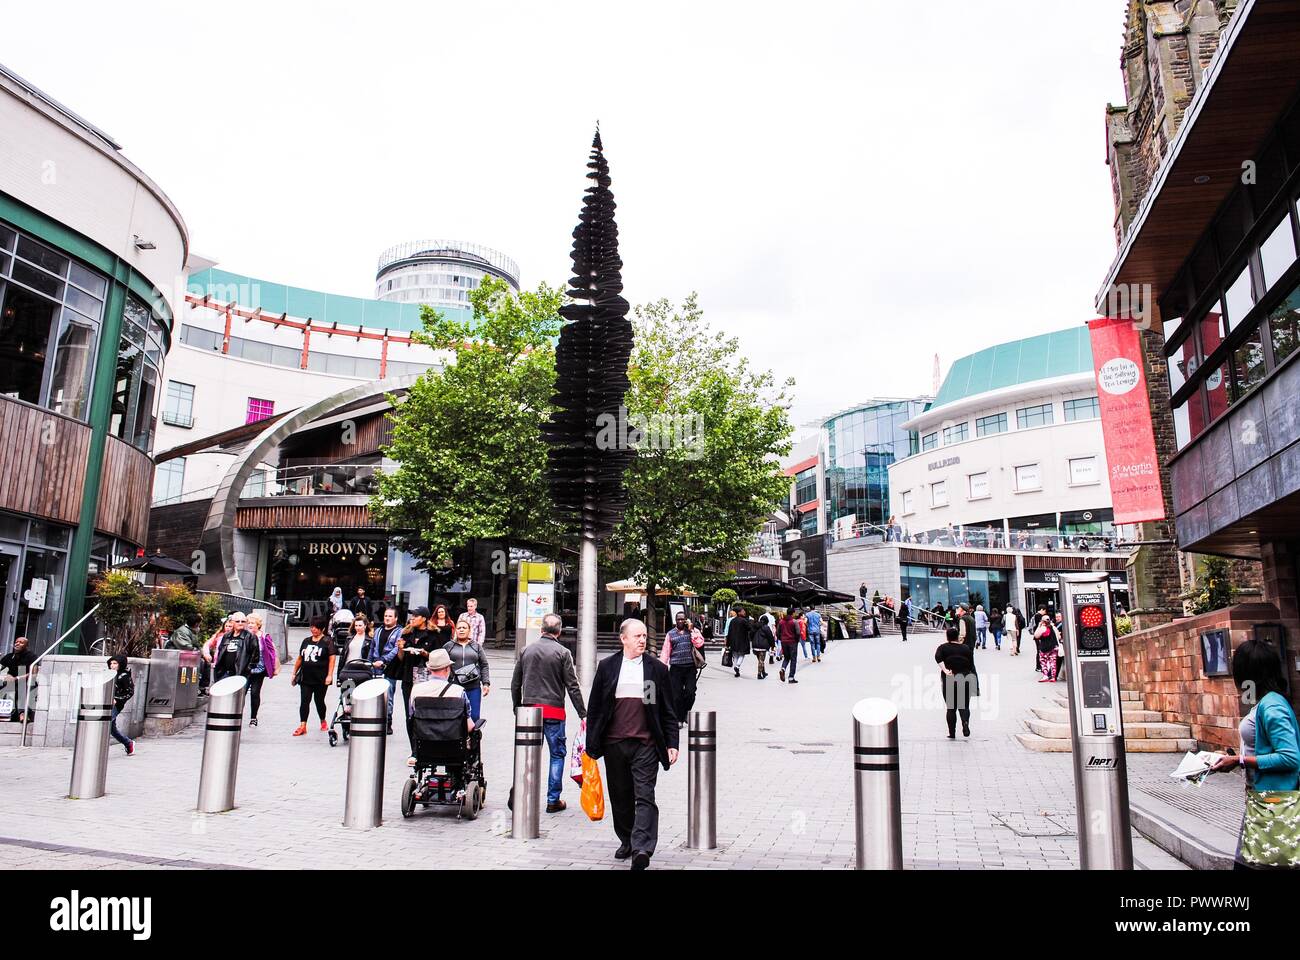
(123,691)
(762,640)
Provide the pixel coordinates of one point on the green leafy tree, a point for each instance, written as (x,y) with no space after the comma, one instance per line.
(126,611)
(1215,589)
(709,432)
(467,439)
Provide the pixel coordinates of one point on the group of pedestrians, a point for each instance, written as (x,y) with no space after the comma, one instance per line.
(793,630)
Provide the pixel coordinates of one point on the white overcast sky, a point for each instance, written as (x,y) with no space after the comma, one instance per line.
(850,187)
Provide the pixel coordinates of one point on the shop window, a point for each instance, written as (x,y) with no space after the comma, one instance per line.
(1038,416)
(997,423)
(1086,408)
(1028,478)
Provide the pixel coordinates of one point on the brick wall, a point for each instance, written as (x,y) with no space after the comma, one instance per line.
(1164,665)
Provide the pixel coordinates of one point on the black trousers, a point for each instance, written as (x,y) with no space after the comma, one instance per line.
(255,693)
(952,718)
(631,768)
(682,676)
(406,712)
(308,692)
(902,628)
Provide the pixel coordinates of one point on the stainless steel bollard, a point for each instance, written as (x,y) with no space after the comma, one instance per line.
(90,748)
(525,815)
(363,803)
(221,745)
(702,780)
(877,790)
(1101,799)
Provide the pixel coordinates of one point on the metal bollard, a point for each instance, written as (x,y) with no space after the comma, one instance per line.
(702,780)
(221,745)
(1101,802)
(90,748)
(526,811)
(363,803)
(877,791)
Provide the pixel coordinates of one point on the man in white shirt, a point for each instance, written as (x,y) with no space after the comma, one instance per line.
(477,625)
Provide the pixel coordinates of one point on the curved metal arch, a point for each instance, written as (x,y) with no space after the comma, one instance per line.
(218,538)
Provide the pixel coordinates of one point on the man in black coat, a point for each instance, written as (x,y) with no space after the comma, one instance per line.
(630,722)
(739,634)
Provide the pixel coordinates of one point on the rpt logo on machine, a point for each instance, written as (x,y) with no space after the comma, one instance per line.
(1102,763)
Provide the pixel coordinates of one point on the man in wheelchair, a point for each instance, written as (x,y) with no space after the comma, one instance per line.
(447,765)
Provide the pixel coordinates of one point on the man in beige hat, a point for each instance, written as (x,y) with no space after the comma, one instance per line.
(439,684)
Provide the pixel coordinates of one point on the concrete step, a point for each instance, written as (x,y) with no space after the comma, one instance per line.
(1039,744)
(1062,715)
(1132,731)
(1134,695)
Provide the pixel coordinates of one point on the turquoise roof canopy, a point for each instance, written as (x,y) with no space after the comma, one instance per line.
(300,304)
(1043,357)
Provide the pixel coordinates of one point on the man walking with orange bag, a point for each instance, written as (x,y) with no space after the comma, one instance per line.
(630,722)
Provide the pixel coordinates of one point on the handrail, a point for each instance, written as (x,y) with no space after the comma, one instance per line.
(31,669)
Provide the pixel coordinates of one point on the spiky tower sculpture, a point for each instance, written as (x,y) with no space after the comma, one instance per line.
(587,455)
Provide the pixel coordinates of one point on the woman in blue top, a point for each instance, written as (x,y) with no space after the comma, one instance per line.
(1270,736)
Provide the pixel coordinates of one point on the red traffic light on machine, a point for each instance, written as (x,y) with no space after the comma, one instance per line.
(1091,617)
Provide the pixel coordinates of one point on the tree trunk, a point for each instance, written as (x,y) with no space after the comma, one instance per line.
(501,590)
(650,589)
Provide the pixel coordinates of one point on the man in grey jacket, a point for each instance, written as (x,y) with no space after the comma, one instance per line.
(543,672)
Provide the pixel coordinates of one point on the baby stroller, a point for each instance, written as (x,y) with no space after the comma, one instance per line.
(351,675)
(448,762)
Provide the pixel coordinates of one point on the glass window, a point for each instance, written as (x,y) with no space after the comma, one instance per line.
(1038,416)
(1277,253)
(978,484)
(135,387)
(198,337)
(1248,363)
(1182,364)
(907,502)
(1086,408)
(1083,470)
(929,441)
(1182,421)
(1237,300)
(1216,393)
(26,319)
(1213,328)
(178,410)
(255,351)
(997,423)
(42,256)
(74,365)
(1284,326)
(169,480)
(1027,477)
(956,434)
(939,494)
(259,409)
(88,280)
(805,485)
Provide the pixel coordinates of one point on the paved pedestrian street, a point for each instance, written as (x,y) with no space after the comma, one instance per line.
(785,788)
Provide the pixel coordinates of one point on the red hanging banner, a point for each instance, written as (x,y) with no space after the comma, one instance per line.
(1126,421)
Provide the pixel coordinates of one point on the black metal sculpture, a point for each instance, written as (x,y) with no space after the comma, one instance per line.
(586,474)
(588,453)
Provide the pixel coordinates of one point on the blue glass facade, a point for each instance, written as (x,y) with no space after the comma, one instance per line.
(860,446)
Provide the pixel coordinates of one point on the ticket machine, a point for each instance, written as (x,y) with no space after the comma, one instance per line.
(1096,723)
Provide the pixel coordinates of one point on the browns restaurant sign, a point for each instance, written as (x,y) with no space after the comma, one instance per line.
(342,548)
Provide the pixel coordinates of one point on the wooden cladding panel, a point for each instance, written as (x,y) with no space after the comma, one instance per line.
(1072,562)
(944,558)
(325,444)
(43,459)
(125,491)
(305,516)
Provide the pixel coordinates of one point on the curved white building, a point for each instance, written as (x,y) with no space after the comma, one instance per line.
(1011,450)
(440,273)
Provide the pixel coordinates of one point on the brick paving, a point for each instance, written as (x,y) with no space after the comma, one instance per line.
(785,788)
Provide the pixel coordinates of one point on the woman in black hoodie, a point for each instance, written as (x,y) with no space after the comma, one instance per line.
(123,690)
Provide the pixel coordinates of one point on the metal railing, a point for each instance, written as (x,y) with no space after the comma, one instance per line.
(31,672)
(317,480)
(177,419)
(1046,539)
